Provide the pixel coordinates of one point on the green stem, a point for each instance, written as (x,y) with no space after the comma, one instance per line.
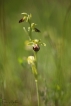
(30,34)
(35,55)
(37,90)
(36,80)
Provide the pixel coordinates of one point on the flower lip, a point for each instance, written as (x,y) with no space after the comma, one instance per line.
(36,47)
(21,20)
(36,30)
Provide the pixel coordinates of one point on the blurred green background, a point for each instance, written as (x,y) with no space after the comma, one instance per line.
(17,85)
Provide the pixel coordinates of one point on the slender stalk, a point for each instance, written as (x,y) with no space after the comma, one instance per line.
(36,80)
(35,55)
(30,34)
(37,90)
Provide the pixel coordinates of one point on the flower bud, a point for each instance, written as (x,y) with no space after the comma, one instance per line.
(31,60)
(33,25)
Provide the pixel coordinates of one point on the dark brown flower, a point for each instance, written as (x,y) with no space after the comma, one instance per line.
(21,20)
(36,30)
(36,48)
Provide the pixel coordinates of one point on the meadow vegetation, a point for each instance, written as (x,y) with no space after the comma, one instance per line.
(17,86)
